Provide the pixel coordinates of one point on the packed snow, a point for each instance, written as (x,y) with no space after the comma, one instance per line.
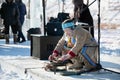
(109,51)
(109,39)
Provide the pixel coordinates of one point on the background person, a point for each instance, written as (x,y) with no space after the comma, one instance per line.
(82,14)
(22,10)
(10,15)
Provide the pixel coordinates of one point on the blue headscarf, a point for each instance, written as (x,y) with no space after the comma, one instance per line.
(68,25)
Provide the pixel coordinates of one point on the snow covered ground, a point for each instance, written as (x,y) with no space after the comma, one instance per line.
(109,49)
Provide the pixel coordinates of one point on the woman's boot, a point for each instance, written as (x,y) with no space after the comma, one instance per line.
(7,38)
(15,38)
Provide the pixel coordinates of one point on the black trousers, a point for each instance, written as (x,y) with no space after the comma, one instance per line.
(13,27)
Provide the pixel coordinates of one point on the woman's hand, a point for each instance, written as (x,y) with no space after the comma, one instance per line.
(53,58)
(63,58)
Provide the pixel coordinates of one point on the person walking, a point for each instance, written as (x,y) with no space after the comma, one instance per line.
(10,15)
(22,10)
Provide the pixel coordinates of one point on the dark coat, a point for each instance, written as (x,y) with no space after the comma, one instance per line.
(9,13)
(85,15)
(22,10)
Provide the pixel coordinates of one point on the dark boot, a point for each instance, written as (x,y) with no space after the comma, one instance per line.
(15,38)
(7,38)
(18,39)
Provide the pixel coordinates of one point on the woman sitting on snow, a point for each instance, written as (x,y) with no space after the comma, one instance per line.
(78,45)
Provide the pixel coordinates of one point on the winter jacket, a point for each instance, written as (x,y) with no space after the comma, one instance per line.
(85,15)
(9,13)
(22,10)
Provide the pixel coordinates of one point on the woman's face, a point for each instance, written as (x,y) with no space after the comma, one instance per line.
(68,32)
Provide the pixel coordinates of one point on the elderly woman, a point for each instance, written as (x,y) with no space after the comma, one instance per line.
(78,45)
